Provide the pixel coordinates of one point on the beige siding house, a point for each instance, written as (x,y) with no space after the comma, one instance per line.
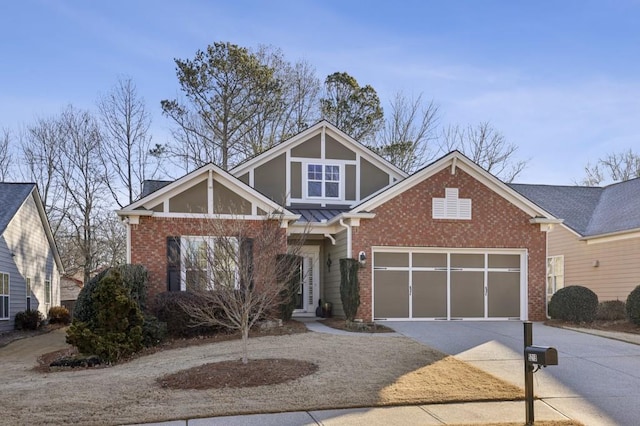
(29,262)
(598,243)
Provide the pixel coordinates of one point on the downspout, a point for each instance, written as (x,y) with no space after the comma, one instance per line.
(126,221)
(348,227)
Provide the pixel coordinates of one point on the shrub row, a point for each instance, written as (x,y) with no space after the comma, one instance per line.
(580,304)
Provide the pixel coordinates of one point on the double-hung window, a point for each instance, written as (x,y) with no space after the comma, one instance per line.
(47,294)
(323,181)
(208,262)
(555,275)
(4,296)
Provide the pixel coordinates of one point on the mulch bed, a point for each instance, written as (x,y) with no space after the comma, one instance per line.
(341,324)
(235,374)
(622,326)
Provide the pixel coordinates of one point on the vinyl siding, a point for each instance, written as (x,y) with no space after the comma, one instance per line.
(32,257)
(331,279)
(618,270)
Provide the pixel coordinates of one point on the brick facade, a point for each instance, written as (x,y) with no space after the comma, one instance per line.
(149,241)
(406,220)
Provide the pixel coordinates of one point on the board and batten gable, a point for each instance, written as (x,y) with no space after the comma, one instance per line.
(608,266)
(26,252)
(320,167)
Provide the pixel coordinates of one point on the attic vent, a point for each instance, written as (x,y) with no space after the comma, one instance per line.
(452,207)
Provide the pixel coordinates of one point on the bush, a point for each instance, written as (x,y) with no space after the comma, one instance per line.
(633,306)
(116,330)
(349,288)
(59,315)
(153,331)
(28,320)
(168,307)
(290,281)
(574,303)
(611,310)
(135,280)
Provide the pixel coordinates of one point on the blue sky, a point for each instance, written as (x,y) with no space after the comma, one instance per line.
(558,78)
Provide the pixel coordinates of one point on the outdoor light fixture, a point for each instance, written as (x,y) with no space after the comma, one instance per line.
(362,258)
(329,262)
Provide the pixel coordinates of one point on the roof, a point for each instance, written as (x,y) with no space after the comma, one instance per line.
(149,186)
(318,214)
(12,196)
(590,211)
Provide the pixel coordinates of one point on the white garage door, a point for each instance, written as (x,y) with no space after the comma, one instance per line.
(448,284)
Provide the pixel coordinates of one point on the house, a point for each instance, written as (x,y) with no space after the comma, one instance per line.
(598,244)
(29,262)
(451,241)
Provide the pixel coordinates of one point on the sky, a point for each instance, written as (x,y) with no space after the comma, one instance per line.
(559,79)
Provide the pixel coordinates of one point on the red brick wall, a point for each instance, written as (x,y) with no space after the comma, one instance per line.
(149,242)
(406,220)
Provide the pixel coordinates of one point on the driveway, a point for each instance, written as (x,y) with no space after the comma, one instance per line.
(597,380)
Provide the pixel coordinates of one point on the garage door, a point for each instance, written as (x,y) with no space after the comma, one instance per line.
(447,284)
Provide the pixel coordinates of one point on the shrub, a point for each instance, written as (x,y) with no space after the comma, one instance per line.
(116,330)
(611,310)
(28,320)
(135,279)
(633,306)
(349,288)
(574,303)
(168,308)
(59,315)
(153,331)
(290,282)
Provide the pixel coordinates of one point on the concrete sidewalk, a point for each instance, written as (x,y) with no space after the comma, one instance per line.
(418,415)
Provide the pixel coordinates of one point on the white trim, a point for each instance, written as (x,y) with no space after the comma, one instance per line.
(613,236)
(7,296)
(310,253)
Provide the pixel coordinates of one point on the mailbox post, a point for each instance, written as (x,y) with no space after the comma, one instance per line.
(539,356)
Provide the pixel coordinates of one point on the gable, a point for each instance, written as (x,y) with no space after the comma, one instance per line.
(204,192)
(320,167)
(455,164)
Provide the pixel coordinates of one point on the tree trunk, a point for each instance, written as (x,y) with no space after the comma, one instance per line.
(245,338)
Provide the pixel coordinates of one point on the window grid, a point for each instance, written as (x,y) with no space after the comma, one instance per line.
(323,181)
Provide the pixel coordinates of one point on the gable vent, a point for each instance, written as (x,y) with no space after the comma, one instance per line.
(451,207)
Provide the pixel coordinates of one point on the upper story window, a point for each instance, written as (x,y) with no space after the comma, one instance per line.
(323,181)
(451,207)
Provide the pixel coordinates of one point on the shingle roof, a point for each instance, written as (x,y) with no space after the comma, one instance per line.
(12,195)
(589,210)
(149,186)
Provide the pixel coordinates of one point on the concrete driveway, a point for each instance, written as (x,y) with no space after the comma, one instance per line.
(597,380)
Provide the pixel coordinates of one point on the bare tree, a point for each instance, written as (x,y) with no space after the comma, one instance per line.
(408,133)
(615,166)
(82,176)
(41,145)
(6,157)
(236,273)
(127,144)
(111,241)
(487,147)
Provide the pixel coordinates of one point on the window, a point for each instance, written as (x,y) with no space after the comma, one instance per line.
(555,275)
(451,207)
(28,284)
(209,261)
(47,294)
(323,181)
(4,296)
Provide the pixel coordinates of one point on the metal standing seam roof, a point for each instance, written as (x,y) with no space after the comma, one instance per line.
(12,195)
(588,210)
(318,214)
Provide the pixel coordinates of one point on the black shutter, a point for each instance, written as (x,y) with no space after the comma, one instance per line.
(246,262)
(173,263)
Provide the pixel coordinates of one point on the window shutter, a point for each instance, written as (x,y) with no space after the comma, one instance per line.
(173,263)
(246,262)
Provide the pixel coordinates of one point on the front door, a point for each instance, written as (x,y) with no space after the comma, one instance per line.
(309,289)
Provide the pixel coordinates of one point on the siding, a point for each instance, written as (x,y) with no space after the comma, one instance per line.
(331,280)
(26,239)
(618,270)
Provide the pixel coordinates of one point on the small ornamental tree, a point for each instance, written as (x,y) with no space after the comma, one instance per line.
(349,288)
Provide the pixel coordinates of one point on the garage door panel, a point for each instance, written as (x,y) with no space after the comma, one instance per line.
(429,295)
(467,294)
(391,294)
(391,259)
(504,294)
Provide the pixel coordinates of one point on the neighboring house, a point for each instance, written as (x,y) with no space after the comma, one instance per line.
(598,244)
(69,289)
(449,242)
(30,266)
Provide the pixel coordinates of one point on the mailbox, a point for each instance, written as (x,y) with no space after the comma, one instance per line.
(541,355)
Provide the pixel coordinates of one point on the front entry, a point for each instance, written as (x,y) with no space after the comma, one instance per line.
(308,293)
(448,284)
